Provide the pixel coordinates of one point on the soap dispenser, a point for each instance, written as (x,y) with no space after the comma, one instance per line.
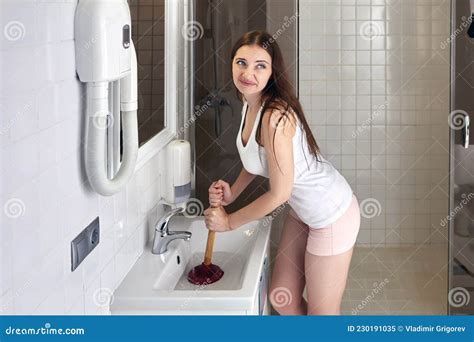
(176,180)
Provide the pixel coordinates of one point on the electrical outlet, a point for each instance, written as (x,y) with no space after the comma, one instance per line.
(84,243)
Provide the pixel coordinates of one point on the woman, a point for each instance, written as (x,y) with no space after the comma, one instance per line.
(276,142)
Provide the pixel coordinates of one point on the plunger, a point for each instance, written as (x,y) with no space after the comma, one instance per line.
(206,273)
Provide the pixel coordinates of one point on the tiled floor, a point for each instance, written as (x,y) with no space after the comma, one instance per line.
(411,280)
(397,281)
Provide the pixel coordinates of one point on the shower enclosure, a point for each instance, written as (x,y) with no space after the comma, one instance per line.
(461,218)
(377,82)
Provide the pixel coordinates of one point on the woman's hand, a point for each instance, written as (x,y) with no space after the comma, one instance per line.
(217,219)
(220,194)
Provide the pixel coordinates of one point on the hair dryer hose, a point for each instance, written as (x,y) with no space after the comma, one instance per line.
(96,130)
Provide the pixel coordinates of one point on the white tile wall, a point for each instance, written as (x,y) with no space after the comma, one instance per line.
(44,194)
(374,82)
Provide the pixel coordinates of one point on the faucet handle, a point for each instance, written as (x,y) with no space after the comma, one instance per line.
(162,224)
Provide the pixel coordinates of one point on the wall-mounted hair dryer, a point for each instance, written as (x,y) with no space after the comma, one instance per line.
(105,60)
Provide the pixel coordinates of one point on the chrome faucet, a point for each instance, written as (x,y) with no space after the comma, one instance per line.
(163,237)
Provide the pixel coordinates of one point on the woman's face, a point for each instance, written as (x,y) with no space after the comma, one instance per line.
(251,69)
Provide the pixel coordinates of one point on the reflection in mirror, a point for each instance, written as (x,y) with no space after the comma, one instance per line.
(148,19)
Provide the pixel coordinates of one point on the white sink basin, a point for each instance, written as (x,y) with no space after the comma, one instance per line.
(157,284)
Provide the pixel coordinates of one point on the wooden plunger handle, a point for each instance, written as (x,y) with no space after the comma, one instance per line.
(210,243)
(209,246)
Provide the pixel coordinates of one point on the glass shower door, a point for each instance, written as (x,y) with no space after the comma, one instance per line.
(461,207)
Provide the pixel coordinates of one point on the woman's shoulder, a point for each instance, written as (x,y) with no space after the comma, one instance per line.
(279,115)
(279,108)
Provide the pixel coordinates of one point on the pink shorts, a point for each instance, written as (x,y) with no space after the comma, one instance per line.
(336,238)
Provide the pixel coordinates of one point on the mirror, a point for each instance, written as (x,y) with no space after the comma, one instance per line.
(148,34)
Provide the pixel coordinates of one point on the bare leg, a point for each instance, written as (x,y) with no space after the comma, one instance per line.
(326,278)
(288,279)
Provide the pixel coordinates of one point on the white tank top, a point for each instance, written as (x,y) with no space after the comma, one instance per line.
(320,194)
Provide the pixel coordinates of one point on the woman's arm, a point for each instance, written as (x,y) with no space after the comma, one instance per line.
(242,181)
(280,173)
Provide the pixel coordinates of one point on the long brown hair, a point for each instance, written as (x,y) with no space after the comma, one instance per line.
(278,94)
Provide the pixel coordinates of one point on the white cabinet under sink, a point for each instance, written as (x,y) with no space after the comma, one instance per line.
(157,284)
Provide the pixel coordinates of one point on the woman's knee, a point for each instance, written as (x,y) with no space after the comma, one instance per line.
(286,301)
